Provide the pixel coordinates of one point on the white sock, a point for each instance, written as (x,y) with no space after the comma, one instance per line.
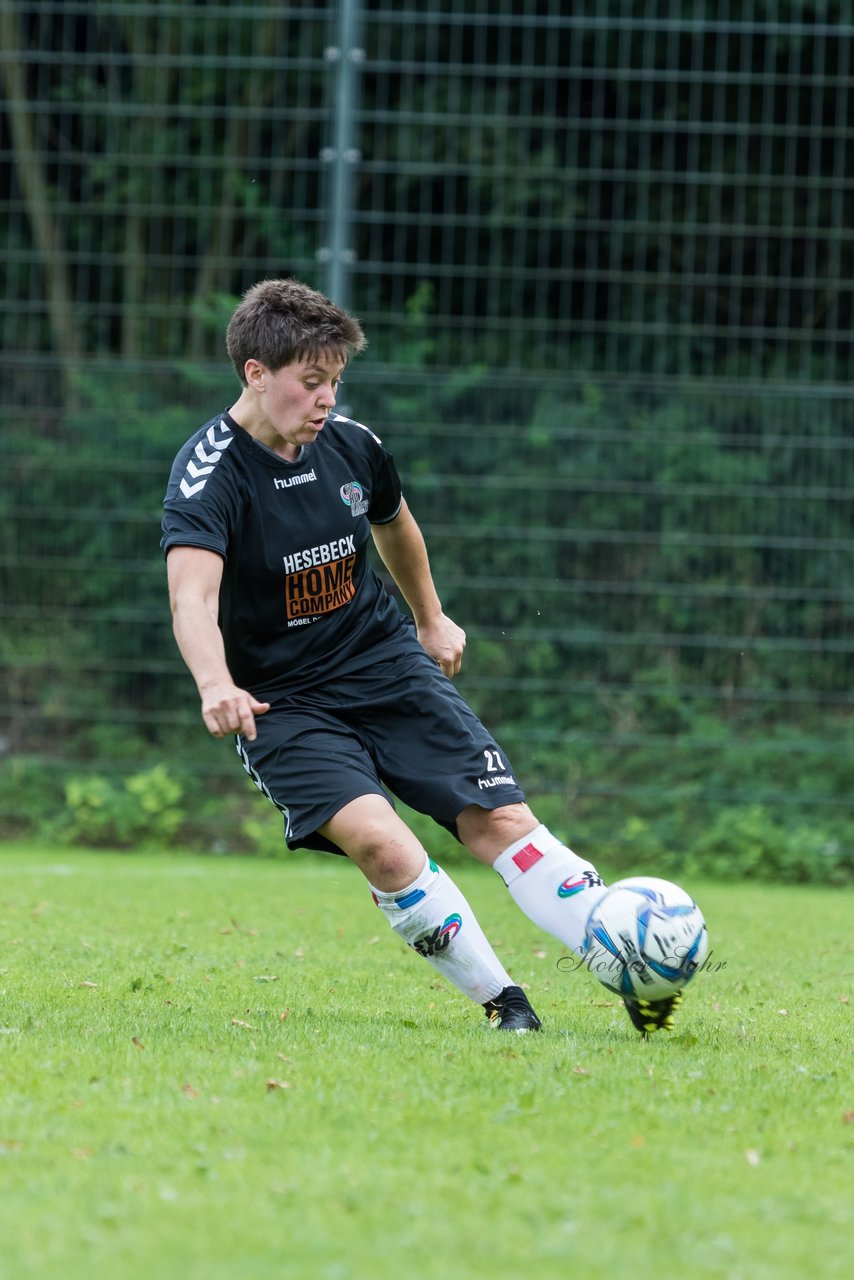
(553,886)
(433,917)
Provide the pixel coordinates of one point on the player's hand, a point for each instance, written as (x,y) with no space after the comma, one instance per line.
(444,641)
(227,709)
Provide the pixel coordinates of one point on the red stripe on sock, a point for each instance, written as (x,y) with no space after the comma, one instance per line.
(527,856)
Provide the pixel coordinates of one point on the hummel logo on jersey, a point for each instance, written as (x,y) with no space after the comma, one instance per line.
(218,443)
(293,480)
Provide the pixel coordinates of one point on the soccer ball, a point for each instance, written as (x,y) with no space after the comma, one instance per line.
(645,937)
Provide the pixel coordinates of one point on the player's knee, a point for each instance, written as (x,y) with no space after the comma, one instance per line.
(386,862)
(488,832)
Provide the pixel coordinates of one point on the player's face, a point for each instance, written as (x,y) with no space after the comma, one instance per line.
(297,399)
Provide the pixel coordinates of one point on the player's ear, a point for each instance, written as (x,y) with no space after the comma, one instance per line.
(254,372)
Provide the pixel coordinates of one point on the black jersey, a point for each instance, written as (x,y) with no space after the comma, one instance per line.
(299,601)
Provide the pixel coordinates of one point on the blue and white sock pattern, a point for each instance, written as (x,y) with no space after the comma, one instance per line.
(432,916)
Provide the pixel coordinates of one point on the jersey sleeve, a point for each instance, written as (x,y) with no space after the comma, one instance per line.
(387,494)
(199,515)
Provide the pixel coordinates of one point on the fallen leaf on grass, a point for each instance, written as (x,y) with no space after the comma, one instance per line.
(136,1040)
(848,1117)
(638,1141)
(82,1153)
(237,927)
(189,1091)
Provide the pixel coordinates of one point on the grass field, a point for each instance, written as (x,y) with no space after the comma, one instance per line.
(231,1069)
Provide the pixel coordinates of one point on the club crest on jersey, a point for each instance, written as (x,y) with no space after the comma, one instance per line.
(353,496)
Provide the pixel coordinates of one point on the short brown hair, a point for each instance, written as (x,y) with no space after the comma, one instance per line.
(282,321)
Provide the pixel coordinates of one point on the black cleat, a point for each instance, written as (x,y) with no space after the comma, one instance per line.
(653,1015)
(511,1011)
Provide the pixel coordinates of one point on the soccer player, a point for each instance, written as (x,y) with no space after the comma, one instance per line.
(335,695)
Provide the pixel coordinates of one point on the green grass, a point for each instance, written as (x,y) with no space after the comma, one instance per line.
(231,1069)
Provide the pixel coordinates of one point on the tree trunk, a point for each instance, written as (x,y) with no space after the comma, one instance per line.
(36,193)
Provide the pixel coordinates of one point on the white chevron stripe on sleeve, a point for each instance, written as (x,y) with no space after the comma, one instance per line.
(206,457)
(195,471)
(226,439)
(218,445)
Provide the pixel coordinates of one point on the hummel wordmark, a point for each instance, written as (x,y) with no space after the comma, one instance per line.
(292,480)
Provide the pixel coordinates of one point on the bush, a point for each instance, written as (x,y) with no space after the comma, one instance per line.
(675,830)
(746,842)
(749,843)
(141,809)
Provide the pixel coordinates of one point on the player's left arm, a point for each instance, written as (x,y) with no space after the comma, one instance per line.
(403,551)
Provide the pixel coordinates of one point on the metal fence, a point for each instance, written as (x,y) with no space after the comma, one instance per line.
(604,256)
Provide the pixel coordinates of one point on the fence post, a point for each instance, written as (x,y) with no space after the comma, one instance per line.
(342,156)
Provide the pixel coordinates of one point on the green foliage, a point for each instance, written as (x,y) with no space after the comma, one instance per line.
(263,833)
(740,843)
(736,842)
(657,659)
(142,809)
(752,843)
(518,187)
(639,540)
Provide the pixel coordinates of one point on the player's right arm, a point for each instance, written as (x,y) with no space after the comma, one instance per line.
(194,576)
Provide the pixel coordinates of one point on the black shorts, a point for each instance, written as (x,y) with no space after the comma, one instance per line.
(398,727)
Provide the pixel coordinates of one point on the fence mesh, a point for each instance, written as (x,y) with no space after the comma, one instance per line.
(603,255)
